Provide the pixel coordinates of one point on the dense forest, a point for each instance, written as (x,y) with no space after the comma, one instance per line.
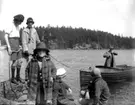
(79,38)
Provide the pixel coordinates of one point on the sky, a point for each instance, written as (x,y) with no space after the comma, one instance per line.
(114,16)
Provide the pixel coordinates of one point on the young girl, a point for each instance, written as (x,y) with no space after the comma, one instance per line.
(62,92)
(40,75)
(12,37)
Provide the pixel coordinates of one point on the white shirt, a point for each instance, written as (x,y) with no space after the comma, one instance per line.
(13,31)
(40,64)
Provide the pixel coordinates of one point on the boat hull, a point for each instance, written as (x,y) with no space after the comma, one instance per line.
(121,73)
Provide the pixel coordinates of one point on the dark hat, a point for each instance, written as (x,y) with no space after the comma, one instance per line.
(30,20)
(41,46)
(111,48)
(19,18)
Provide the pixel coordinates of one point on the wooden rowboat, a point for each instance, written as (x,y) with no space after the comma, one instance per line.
(121,73)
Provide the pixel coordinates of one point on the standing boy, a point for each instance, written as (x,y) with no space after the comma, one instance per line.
(40,76)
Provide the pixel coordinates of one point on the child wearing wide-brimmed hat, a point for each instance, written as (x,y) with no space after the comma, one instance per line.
(40,76)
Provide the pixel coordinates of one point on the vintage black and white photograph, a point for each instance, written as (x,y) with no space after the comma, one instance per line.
(67,52)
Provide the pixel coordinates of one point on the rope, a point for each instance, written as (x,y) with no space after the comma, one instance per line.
(60,62)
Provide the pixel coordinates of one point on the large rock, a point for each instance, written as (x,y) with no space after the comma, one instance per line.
(4,101)
(22,98)
(12,93)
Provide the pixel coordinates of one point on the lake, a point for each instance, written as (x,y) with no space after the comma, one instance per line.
(122,94)
(74,60)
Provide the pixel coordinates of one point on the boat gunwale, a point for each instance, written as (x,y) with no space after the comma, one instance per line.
(111,77)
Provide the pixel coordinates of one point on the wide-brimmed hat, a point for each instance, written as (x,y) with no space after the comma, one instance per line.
(30,20)
(19,18)
(41,46)
(61,72)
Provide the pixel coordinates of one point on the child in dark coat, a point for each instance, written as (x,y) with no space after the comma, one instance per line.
(63,92)
(40,76)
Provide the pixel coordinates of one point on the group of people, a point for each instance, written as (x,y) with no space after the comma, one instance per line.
(20,44)
(44,81)
(98,91)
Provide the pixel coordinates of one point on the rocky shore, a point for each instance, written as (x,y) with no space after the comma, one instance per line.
(11,94)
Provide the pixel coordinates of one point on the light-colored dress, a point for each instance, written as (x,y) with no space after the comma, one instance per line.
(29,39)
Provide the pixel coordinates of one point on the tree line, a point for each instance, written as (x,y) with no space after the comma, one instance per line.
(79,38)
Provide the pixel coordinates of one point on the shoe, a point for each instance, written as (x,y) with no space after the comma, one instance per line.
(13,78)
(20,80)
(14,81)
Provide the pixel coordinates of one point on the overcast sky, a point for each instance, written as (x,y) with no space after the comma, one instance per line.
(115,16)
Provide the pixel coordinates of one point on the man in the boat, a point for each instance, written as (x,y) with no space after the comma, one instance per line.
(110,59)
(62,92)
(98,90)
(12,38)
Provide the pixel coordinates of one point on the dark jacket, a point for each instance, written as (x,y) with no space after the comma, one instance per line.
(60,90)
(101,90)
(31,74)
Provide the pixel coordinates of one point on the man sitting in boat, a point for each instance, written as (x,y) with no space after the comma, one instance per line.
(110,60)
(98,90)
(62,92)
